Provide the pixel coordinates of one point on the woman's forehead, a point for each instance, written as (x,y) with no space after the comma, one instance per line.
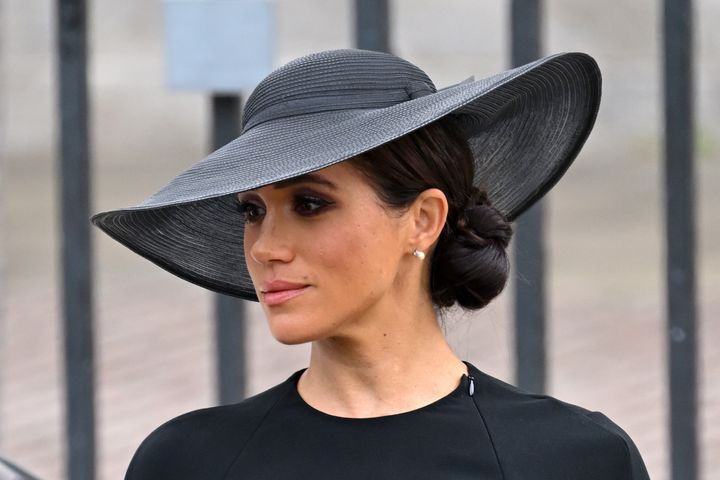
(315,178)
(333,177)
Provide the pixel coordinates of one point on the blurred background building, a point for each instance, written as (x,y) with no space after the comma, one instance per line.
(154,339)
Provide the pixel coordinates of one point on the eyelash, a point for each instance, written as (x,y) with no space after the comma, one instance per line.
(245,208)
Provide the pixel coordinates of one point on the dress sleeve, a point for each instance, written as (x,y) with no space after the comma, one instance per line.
(203,443)
(199,444)
(164,454)
(635,465)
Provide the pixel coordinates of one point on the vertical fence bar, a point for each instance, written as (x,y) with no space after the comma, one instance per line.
(230,317)
(680,237)
(74,173)
(529,300)
(372,25)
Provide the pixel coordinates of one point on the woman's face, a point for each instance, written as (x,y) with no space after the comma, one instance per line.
(327,233)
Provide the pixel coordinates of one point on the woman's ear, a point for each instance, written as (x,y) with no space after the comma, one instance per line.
(428,215)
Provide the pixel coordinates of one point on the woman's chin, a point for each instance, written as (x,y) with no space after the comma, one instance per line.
(289,339)
(288,332)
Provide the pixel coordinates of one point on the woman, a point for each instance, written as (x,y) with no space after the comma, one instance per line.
(357,204)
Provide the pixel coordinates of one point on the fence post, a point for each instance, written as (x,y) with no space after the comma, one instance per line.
(221,47)
(74,174)
(230,317)
(372,25)
(529,299)
(680,236)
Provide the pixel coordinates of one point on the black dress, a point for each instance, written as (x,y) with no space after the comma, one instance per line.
(485,429)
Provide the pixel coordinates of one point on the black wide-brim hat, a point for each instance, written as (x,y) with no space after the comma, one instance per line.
(525,126)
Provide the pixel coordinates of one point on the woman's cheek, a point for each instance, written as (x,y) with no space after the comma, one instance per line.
(334,251)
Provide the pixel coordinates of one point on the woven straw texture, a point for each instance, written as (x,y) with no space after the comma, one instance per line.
(525,127)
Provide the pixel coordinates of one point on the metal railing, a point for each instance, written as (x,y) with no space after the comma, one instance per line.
(680,236)
(73,172)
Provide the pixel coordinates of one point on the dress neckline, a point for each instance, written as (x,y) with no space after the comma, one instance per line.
(462,389)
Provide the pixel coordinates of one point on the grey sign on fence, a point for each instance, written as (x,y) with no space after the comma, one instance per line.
(218,45)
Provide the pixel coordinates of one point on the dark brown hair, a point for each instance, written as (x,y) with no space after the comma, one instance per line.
(470,263)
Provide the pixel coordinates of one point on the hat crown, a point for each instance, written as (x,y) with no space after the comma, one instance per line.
(335,80)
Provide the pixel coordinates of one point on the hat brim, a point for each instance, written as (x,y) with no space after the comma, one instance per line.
(525,127)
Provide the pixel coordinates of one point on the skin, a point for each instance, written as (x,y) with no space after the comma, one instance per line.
(377,348)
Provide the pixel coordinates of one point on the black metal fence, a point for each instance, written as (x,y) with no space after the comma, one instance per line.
(680,236)
(77,283)
(372,32)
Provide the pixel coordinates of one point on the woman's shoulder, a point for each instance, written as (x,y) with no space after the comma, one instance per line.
(202,443)
(554,438)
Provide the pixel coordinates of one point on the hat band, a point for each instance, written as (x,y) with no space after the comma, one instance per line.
(356,99)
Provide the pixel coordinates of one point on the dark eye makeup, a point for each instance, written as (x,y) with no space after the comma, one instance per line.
(248,210)
(305,205)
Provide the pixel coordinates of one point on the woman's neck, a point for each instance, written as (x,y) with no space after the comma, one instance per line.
(403,366)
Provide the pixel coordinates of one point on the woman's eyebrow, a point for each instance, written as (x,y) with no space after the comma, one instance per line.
(307,178)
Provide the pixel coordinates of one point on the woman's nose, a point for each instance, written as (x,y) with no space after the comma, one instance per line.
(271,242)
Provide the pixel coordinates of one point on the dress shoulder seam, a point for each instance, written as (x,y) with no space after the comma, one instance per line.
(626,447)
(587,414)
(257,427)
(490,437)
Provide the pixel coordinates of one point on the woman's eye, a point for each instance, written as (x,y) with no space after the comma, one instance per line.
(309,205)
(303,205)
(249,210)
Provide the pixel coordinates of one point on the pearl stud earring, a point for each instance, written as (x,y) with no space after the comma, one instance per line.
(420,254)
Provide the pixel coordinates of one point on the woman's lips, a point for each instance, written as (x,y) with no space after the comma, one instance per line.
(282,296)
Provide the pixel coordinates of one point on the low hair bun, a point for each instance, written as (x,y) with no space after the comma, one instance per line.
(471,264)
(487,223)
(480,217)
